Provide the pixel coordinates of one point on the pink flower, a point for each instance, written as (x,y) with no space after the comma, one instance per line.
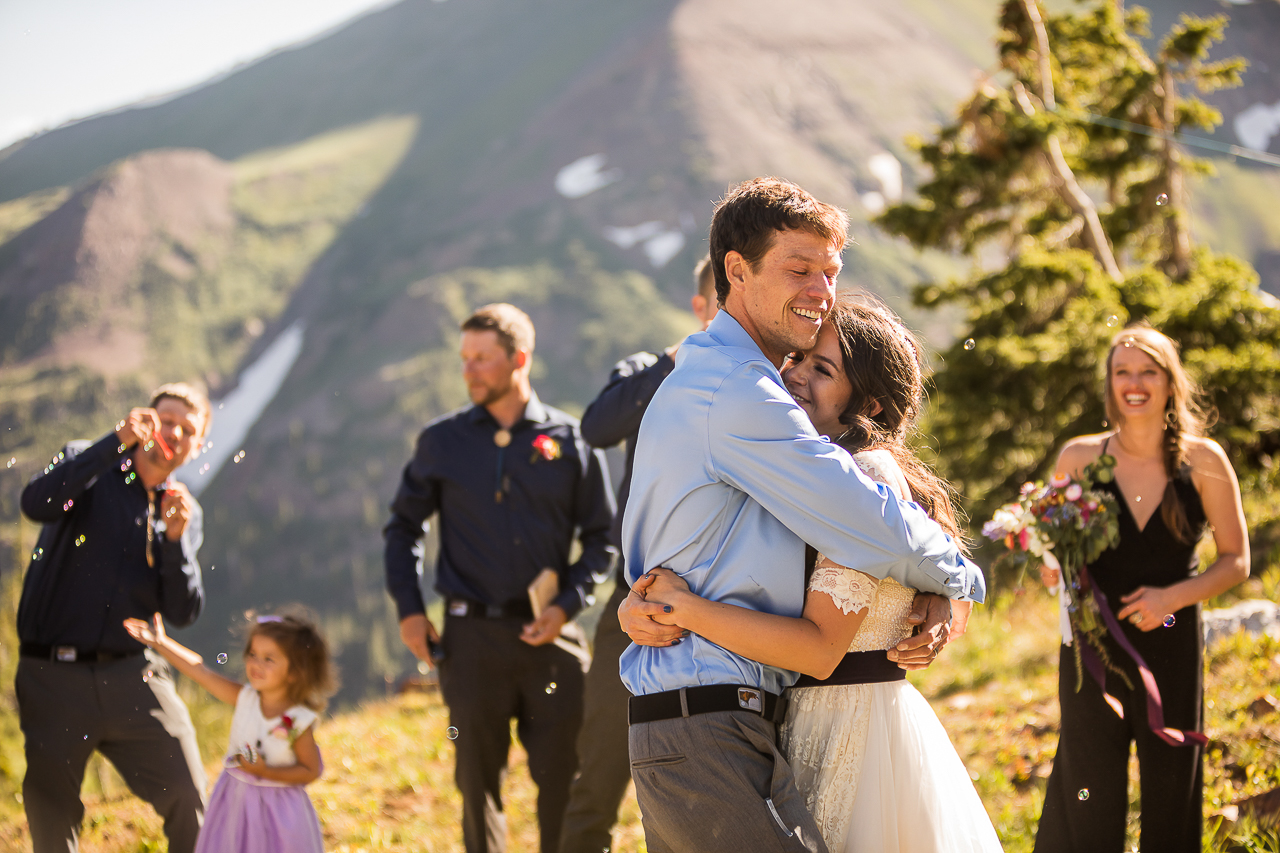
(1059,480)
(1027,488)
(1073,492)
(280,733)
(1024,536)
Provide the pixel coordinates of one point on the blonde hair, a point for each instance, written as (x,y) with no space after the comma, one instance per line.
(1184,415)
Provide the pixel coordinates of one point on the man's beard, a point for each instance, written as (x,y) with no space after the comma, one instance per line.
(486,395)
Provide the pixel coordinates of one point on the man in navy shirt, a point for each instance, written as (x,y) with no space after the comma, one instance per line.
(512,481)
(119,541)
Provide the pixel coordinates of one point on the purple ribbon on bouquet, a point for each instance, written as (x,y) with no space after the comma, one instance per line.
(1155,709)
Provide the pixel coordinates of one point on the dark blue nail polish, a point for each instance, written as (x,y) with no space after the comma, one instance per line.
(675,642)
(666,608)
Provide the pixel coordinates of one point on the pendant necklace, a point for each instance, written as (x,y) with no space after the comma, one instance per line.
(502,438)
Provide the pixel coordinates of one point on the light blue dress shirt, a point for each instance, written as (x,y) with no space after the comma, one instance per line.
(730,481)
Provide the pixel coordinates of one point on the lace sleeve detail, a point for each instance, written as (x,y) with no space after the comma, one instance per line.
(850,589)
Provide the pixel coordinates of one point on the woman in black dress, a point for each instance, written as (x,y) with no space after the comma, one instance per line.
(1171,483)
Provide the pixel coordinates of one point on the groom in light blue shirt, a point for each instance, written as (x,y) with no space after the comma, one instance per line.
(730,481)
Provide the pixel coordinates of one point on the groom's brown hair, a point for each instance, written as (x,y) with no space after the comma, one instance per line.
(750,213)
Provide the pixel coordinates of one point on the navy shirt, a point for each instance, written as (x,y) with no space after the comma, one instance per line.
(89,570)
(505,513)
(615,416)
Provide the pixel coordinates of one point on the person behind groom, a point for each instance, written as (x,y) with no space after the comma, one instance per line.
(730,481)
(603,767)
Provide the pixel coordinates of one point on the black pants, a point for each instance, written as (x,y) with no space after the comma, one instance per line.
(135,719)
(489,676)
(604,769)
(1093,757)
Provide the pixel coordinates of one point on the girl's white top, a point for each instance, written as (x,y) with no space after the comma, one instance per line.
(269,736)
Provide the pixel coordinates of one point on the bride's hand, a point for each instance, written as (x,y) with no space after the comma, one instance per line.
(647,623)
(666,585)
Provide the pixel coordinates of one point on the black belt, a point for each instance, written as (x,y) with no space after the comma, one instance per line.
(688,701)
(859,668)
(463,607)
(71,654)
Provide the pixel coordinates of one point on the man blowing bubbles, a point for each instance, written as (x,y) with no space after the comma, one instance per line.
(119,541)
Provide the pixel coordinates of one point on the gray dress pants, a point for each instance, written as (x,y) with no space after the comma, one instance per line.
(716,783)
(136,720)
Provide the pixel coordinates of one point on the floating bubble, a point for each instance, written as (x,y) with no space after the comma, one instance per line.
(451,733)
(79,540)
(39,552)
(68,505)
(146,676)
(1112,321)
(1170,621)
(1162,199)
(970,344)
(551,688)
(1083,794)
(149,445)
(13,460)
(222,657)
(86,737)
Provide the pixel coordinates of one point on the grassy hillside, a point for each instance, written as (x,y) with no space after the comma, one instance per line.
(388,780)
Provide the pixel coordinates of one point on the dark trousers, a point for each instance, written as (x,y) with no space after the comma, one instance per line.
(1093,756)
(489,675)
(604,770)
(716,783)
(135,719)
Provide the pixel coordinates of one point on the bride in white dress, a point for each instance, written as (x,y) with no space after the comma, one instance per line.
(874,763)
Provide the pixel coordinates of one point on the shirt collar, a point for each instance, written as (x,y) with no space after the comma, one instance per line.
(725,331)
(534,412)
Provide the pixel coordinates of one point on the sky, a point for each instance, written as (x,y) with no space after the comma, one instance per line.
(62,60)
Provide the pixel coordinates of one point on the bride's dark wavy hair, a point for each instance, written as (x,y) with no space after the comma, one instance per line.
(884,363)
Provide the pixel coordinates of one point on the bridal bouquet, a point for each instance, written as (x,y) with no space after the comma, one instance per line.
(1065,525)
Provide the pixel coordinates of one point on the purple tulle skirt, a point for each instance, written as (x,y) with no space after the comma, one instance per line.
(244,817)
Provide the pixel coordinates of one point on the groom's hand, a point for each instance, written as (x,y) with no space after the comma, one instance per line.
(933,614)
(638,619)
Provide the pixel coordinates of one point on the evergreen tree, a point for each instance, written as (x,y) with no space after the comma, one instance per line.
(1062,180)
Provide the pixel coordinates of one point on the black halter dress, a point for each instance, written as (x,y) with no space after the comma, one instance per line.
(1086,801)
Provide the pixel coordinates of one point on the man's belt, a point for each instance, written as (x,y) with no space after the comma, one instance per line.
(72,654)
(465,608)
(858,668)
(707,699)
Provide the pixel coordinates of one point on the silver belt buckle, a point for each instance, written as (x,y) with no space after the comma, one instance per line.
(65,654)
(750,699)
(458,608)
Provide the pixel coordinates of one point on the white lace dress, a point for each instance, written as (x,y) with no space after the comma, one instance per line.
(875,765)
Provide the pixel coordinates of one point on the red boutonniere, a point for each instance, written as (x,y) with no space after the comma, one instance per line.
(547,446)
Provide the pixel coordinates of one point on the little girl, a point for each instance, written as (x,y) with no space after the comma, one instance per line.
(259,805)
